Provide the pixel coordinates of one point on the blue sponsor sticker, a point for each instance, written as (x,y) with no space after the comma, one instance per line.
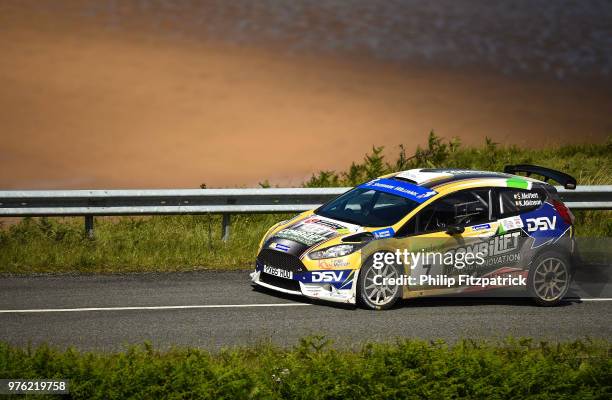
(278,246)
(481,227)
(400,188)
(544,225)
(340,279)
(383,233)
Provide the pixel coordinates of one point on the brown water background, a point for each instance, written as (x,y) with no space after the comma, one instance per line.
(133,94)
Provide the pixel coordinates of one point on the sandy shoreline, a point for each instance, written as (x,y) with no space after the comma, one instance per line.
(104,109)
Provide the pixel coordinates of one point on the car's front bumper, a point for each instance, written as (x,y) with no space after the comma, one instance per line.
(327,291)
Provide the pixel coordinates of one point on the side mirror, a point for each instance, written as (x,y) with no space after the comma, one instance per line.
(455,230)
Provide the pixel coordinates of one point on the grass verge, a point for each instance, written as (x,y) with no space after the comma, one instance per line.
(406,369)
(164,243)
(161,243)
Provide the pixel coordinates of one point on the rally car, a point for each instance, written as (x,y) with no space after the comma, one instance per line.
(360,247)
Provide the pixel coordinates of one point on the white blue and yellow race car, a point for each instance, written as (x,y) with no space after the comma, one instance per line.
(427,232)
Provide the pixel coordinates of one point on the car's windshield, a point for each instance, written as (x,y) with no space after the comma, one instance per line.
(368,207)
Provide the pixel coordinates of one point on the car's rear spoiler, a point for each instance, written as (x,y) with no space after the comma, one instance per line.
(564,179)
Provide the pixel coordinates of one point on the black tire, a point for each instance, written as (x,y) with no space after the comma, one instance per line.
(549,279)
(391,293)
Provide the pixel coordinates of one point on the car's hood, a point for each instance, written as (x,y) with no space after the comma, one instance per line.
(309,232)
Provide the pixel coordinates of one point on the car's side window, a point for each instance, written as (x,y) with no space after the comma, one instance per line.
(464,208)
(512,202)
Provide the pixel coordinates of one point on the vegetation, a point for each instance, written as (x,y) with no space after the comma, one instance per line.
(172,243)
(406,369)
(163,243)
(589,163)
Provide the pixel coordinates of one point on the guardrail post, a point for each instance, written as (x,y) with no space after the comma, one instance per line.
(225,232)
(89,226)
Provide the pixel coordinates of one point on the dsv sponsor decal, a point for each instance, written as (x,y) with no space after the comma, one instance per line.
(541,224)
(327,276)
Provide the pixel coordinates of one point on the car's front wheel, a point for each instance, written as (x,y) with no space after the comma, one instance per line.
(374,291)
(549,278)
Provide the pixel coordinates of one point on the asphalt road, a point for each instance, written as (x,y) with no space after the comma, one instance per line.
(196,321)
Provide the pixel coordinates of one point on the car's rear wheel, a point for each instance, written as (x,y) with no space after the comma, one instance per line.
(374,290)
(549,278)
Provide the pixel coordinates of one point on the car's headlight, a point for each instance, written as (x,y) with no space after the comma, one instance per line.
(340,250)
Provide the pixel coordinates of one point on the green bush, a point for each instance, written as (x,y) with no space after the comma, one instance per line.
(406,369)
(589,163)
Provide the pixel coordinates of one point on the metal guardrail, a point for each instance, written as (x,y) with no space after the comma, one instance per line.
(91,203)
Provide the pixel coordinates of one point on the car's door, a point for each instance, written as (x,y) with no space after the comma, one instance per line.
(440,236)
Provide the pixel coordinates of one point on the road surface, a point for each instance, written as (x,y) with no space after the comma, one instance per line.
(218,309)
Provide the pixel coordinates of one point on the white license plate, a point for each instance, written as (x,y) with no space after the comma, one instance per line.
(278,272)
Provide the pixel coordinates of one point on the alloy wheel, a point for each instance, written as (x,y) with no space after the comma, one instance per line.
(379,291)
(551,279)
